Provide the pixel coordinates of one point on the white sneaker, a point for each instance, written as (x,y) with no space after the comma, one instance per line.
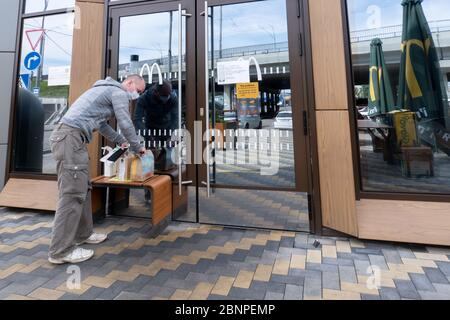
(76,256)
(95,238)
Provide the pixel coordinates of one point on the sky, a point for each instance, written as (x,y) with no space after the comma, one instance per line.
(242,25)
(39,5)
(363,13)
(58,43)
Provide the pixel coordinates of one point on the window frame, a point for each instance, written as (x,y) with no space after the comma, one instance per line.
(11,173)
(360,192)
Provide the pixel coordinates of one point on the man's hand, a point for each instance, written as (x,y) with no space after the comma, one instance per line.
(142,151)
(124,145)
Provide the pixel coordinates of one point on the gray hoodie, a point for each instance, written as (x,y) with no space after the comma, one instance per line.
(90,112)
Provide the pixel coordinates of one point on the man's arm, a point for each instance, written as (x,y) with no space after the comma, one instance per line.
(110,134)
(120,104)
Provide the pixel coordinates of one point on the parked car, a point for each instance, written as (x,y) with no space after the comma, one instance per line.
(283,120)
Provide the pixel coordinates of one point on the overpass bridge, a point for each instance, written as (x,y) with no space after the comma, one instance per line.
(274,57)
(392,38)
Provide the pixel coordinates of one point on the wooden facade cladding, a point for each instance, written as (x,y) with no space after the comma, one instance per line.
(337,184)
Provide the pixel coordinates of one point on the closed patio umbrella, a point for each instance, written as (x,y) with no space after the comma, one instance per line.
(421,85)
(381,100)
(421,82)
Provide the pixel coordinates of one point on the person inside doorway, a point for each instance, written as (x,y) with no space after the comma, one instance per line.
(73,225)
(156,116)
(157,113)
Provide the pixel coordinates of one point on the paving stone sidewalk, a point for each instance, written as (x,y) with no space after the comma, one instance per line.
(201,262)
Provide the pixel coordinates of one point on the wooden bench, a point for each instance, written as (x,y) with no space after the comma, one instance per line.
(160,188)
(417,154)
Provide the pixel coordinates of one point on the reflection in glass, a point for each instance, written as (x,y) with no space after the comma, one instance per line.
(149,45)
(32,6)
(401,65)
(42,98)
(247,142)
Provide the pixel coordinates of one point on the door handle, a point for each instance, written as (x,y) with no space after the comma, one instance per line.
(208,137)
(180,96)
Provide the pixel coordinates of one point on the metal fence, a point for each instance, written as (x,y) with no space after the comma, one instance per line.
(436,27)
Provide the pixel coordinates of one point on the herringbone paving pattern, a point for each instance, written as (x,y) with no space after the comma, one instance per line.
(202,262)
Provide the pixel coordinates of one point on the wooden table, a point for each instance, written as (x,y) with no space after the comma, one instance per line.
(159,186)
(385,131)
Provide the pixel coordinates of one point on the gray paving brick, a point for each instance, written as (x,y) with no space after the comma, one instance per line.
(91,294)
(4,283)
(406,253)
(273,296)
(421,282)
(22,288)
(113,291)
(435,275)
(287,279)
(312,287)
(339,262)
(322,267)
(151,291)
(301,241)
(370,297)
(293,292)
(378,261)
(361,267)
(389,294)
(201,277)
(406,289)
(331,280)
(276,287)
(430,295)
(347,274)
(124,295)
(246,294)
(444,267)
(442,288)
(392,256)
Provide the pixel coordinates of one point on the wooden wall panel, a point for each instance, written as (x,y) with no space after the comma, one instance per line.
(404,221)
(87,61)
(30,194)
(327,40)
(337,184)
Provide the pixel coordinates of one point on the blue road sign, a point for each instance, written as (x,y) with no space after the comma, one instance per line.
(32,60)
(36,91)
(25,78)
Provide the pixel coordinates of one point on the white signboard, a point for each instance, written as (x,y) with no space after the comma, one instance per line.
(232,72)
(58,76)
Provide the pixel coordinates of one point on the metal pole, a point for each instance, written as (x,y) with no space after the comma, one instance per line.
(41,48)
(170,44)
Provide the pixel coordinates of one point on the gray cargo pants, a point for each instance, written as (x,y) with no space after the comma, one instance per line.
(73,219)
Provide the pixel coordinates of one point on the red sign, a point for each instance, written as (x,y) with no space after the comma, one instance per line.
(40,33)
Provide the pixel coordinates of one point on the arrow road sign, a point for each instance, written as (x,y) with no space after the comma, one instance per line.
(32,60)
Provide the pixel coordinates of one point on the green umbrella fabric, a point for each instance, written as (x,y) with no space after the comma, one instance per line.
(421,82)
(381,100)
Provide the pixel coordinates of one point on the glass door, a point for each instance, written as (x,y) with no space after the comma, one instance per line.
(157,41)
(251,98)
(239,150)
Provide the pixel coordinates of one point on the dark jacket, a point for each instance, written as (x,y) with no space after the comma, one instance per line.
(151,113)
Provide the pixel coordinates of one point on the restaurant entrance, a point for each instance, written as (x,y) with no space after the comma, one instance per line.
(236,68)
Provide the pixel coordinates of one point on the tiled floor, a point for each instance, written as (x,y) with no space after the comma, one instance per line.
(202,262)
